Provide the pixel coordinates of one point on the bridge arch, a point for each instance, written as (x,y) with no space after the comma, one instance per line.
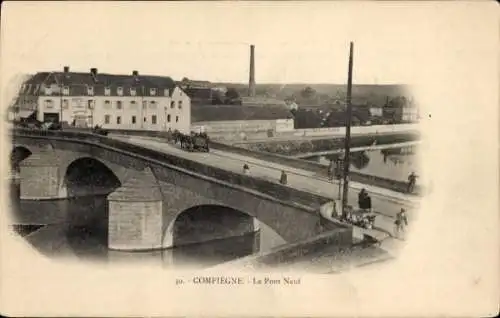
(208,221)
(87,175)
(18,154)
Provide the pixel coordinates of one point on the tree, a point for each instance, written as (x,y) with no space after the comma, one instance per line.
(308,92)
(217,98)
(232,93)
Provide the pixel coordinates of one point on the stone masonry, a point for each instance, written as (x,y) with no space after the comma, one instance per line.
(143,211)
(40,175)
(135,214)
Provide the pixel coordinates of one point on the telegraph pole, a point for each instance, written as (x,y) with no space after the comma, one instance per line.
(347,134)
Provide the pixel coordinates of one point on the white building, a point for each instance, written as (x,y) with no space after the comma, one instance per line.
(131,102)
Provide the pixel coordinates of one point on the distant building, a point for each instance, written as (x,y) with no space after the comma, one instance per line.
(376,111)
(401,110)
(292,106)
(135,102)
(199,95)
(224,120)
(262,101)
(185,83)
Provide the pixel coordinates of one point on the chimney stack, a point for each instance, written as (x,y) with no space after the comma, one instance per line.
(251,84)
(66,69)
(93,73)
(135,73)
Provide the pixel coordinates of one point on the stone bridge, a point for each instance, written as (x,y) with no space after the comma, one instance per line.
(148,190)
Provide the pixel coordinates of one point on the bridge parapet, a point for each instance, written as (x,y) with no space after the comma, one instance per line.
(269,188)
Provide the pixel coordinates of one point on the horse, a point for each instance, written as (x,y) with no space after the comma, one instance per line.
(185,140)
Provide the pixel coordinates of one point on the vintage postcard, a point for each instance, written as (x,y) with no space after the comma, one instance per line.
(249,159)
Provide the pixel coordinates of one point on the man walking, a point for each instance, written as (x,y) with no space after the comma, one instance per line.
(412,180)
(400,224)
(283,178)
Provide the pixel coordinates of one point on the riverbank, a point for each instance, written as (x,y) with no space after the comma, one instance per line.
(324,254)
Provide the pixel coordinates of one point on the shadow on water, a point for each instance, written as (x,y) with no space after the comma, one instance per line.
(393,163)
(78,227)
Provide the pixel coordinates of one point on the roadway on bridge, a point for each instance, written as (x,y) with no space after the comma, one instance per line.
(385,202)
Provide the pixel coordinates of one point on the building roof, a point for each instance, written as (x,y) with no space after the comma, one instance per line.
(237,112)
(78,82)
(199,93)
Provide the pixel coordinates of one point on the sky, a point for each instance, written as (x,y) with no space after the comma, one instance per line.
(296,42)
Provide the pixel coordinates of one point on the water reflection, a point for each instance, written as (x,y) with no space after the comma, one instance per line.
(393,163)
(65,228)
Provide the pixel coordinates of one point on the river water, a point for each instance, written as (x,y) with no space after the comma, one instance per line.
(394,163)
(56,229)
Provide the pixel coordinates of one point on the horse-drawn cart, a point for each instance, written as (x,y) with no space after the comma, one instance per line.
(193,142)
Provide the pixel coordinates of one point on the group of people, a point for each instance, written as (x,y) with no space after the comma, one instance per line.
(367,218)
(365,205)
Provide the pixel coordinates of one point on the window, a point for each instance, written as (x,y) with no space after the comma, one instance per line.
(118,120)
(153,119)
(152,91)
(119,91)
(172,104)
(107,119)
(133,104)
(132,91)
(118,104)
(166,92)
(176,119)
(49,103)
(47,89)
(168,118)
(152,104)
(65,104)
(144,104)
(145,119)
(66,90)
(107,91)
(133,119)
(90,90)
(107,104)
(90,104)
(180,104)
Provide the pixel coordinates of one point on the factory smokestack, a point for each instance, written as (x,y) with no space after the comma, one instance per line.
(251,82)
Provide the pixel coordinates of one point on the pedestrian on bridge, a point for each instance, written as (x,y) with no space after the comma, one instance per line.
(331,170)
(412,180)
(401,223)
(246,169)
(361,198)
(283,178)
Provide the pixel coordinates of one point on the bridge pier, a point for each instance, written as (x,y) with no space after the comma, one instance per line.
(135,214)
(40,177)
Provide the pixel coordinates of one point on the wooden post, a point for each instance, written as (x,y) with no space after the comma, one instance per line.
(347,134)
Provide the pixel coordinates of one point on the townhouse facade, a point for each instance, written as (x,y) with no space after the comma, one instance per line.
(129,102)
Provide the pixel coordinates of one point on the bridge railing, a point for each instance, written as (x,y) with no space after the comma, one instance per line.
(273,189)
